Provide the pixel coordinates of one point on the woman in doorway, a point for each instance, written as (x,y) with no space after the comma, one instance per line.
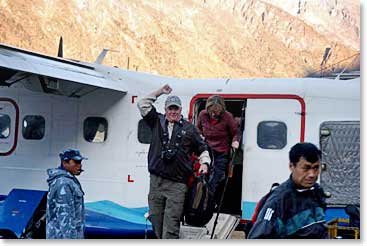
(219,129)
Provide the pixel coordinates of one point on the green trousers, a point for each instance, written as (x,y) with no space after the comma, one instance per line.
(166,203)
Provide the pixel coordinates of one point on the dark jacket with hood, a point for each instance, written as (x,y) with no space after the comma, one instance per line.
(65,217)
(290,212)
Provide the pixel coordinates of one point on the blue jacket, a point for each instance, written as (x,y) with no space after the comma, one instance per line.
(292,213)
(65,217)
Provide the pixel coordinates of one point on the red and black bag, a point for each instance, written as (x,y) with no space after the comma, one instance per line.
(199,205)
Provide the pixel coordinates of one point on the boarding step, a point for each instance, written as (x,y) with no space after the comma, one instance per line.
(225,226)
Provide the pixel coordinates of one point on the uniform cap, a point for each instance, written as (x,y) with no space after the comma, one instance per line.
(73,154)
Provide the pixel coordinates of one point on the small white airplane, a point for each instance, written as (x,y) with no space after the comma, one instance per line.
(48,104)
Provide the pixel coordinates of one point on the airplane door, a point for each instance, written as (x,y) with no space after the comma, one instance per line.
(272,126)
(9,119)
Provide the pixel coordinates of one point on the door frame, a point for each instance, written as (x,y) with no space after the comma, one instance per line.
(256,96)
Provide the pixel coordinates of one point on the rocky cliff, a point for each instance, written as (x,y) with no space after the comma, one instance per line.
(192,38)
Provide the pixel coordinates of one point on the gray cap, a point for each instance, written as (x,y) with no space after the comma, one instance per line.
(173,101)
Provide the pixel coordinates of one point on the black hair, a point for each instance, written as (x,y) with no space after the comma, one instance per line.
(306,150)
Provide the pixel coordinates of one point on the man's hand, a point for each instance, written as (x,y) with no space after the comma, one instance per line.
(235,144)
(166,89)
(203,168)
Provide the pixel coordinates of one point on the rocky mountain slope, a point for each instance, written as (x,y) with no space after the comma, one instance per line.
(192,38)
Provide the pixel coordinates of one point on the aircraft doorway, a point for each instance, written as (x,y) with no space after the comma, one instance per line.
(232,197)
(9,119)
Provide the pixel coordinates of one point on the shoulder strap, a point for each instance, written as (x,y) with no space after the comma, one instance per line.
(162,121)
(165,139)
(262,201)
(178,133)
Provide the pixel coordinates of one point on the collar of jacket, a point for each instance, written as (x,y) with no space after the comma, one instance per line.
(180,121)
(298,189)
(218,118)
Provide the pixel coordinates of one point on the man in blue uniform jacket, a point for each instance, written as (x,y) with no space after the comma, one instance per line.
(65,218)
(296,209)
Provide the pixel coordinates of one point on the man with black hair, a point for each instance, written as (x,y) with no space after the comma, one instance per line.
(296,209)
(169,161)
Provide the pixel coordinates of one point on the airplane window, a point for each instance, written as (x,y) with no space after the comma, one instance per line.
(95,129)
(271,135)
(33,127)
(144,132)
(4,126)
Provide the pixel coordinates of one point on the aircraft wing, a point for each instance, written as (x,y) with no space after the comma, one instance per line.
(54,67)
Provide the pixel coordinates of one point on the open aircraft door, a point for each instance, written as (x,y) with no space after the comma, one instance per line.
(9,119)
(273,123)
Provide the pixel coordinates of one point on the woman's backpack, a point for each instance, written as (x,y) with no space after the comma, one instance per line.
(199,204)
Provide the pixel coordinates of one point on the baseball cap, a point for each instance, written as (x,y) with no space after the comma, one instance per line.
(71,154)
(173,101)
